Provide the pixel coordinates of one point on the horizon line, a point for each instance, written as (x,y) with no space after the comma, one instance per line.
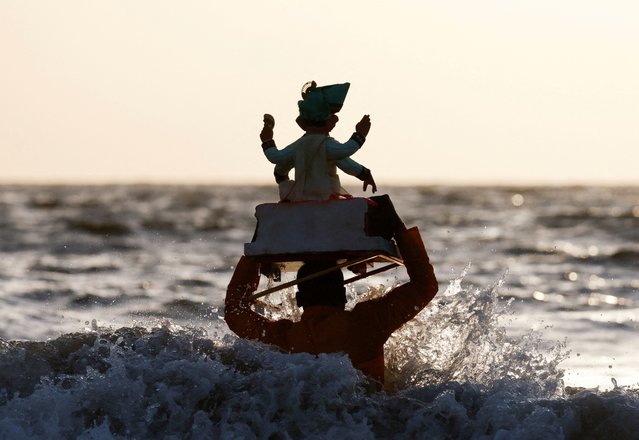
(264,182)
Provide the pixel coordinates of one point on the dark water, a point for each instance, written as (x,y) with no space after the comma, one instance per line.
(113,327)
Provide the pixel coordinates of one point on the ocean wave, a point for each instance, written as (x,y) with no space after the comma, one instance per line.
(623,257)
(628,257)
(92,300)
(98,227)
(73,270)
(523,250)
(179,383)
(180,308)
(615,223)
(48,294)
(192,283)
(453,372)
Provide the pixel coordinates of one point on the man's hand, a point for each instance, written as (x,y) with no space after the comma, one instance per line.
(364,126)
(386,217)
(267,131)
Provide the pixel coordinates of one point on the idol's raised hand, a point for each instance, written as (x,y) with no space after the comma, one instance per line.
(267,131)
(363,126)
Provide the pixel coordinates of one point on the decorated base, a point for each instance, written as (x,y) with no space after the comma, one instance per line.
(289,234)
(303,231)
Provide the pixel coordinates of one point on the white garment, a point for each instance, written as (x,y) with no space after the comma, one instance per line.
(315,176)
(315,159)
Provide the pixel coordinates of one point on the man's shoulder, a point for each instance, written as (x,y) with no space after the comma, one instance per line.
(283,323)
(366,307)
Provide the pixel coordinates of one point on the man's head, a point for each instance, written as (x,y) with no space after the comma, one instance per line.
(324,290)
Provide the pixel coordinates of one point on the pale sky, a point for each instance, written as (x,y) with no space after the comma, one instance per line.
(469,91)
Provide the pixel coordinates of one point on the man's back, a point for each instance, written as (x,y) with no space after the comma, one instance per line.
(325,329)
(360,333)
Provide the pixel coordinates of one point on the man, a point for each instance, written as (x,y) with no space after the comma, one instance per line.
(316,156)
(325,326)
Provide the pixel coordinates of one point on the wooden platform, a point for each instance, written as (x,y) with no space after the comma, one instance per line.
(294,231)
(289,234)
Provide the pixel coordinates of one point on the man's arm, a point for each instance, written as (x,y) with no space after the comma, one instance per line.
(404,302)
(390,312)
(239,316)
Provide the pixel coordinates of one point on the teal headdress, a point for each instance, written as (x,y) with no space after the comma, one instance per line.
(319,103)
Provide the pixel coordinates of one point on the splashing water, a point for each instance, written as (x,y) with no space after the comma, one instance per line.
(456,374)
(457,337)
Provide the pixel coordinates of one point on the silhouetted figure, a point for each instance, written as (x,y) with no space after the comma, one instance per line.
(316,156)
(325,326)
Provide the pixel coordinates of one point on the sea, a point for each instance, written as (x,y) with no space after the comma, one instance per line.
(112,320)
